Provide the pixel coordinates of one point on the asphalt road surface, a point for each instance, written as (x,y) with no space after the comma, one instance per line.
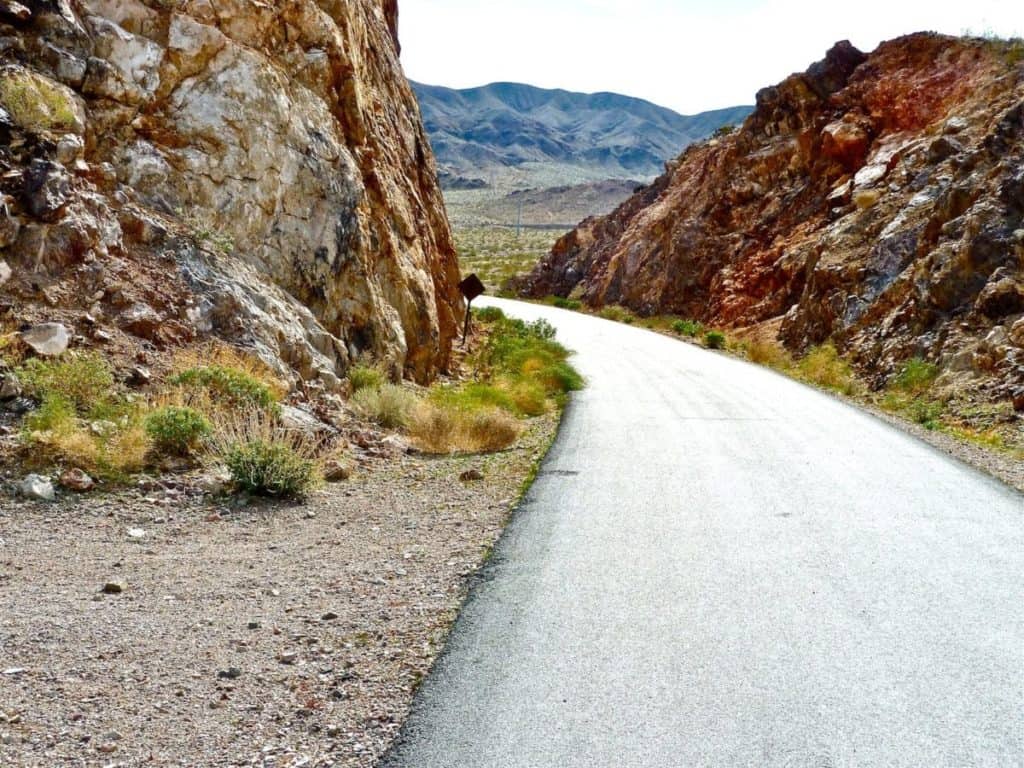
(720,567)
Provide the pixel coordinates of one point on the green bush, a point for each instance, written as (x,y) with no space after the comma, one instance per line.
(390,405)
(82,379)
(563,303)
(927,413)
(488,314)
(177,430)
(55,414)
(915,377)
(714,340)
(231,385)
(271,468)
(473,396)
(614,313)
(363,377)
(689,328)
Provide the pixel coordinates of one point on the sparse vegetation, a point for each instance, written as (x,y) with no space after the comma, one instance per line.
(389,405)
(520,370)
(232,386)
(823,367)
(83,379)
(690,328)
(570,304)
(496,254)
(207,233)
(365,377)
(714,340)
(177,430)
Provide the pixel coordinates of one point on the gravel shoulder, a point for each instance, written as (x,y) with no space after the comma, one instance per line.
(252,634)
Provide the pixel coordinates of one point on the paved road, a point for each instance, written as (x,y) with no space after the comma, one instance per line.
(720,567)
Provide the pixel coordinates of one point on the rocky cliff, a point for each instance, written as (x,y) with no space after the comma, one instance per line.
(875,200)
(248,169)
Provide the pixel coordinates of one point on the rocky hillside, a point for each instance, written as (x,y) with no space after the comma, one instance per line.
(254,171)
(480,132)
(875,200)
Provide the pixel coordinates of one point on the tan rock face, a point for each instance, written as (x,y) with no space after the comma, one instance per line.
(272,154)
(875,200)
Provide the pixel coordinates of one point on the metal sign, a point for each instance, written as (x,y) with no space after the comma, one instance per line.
(471,287)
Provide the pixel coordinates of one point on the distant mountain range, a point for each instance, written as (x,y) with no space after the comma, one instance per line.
(479,133)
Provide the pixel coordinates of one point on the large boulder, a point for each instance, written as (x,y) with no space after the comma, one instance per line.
(282,138)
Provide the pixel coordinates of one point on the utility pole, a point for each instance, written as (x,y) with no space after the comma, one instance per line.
(519,219)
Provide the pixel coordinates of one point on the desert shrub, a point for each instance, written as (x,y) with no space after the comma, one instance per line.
(230,386)
(915,377)
(614,312)
(440,428)
(724,130)
(55,414)
(365,377)
(689,328)
(270,468)
(560,377)
(473,396)
(714,340)
(927,413)
(82,379)
(824,367)
(570,304)
(490,430)
(177,430)
(389,405)
(769,354)
(488,314)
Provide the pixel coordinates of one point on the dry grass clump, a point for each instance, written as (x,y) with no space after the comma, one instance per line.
(768,353)
(824,367)
(389,405)
(521,372)
(443,429)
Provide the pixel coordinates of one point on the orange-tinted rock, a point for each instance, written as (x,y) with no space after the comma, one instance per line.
(874,200)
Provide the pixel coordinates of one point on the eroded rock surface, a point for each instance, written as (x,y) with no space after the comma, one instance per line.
(875,200)
(252,170)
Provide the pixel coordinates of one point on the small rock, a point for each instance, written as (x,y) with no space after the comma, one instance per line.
(10,387)
(329,616)
(5,272)
(232,673)
(136,533)
(48,339)
(14,671)
(336,471)
(253,625)
(1018,400)
(112,588)
(215,484)
(37,488)
(471,475)
(139,376)
(77,480)
(288,657)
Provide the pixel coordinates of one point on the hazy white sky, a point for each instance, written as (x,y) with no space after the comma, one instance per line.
(690,55)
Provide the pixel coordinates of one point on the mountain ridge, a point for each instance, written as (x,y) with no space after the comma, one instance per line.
(483,131)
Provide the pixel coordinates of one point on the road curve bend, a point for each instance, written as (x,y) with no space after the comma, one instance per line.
(721,567)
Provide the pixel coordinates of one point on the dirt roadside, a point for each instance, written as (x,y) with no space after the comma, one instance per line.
(244,634)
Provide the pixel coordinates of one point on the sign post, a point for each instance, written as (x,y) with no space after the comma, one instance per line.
(470,288)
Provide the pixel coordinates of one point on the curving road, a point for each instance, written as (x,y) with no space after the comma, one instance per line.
(721,567)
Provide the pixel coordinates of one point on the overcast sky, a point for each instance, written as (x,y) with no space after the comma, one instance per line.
(690,55)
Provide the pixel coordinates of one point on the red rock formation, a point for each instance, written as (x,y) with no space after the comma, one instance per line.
(257,171)
(873,200)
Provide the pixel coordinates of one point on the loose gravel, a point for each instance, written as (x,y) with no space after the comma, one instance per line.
(153,627)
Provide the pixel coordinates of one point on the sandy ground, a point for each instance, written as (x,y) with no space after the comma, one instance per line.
(253,634)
